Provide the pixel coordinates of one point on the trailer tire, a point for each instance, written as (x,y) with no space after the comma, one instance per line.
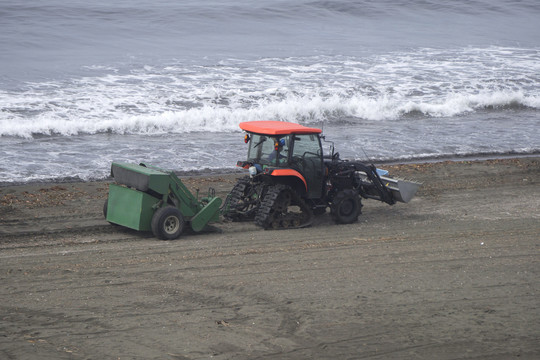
(346,207)
(167,223)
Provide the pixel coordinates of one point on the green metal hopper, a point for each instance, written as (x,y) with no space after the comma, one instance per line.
(146,198)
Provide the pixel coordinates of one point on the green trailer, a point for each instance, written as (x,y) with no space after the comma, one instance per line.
(146,198)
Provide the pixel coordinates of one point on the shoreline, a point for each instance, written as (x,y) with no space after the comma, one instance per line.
(237,171)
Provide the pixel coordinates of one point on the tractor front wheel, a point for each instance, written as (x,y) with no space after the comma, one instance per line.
(346,207)
(167,223)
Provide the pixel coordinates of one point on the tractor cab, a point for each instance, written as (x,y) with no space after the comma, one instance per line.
(285,153)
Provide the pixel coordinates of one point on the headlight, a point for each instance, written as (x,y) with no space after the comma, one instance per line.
(252,171)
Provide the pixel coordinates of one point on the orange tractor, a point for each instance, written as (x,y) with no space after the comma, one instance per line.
(291,180)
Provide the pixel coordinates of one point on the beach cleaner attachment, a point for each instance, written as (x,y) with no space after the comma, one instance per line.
(146,198)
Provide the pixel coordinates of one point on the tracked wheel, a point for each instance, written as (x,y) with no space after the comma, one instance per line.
(243,201)
(283,208)
(346,207)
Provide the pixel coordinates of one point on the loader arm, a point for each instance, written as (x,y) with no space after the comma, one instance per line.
(397,189)
(369,185)
(382,192)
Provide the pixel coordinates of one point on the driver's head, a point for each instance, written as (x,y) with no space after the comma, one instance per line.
(279,144)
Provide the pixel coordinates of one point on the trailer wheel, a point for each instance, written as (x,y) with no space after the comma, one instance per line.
(346,207)
(167,223)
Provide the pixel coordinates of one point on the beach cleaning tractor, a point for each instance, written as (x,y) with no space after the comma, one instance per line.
(290,180)
(147,198)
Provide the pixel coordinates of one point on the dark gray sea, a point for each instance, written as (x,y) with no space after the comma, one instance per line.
(83,83)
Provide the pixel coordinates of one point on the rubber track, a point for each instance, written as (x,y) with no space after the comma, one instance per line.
(234,197)
(263,217)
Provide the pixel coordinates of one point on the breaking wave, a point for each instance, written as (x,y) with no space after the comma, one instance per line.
(303,109)
(85,83)
(179,98)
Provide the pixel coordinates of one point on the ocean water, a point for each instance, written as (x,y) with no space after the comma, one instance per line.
(84,83)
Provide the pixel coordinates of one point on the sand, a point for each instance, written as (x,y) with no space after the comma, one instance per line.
(454,274)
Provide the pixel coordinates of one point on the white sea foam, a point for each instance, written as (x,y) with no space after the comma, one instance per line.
(402,105)
(176,98)
(160,84)
(106,118)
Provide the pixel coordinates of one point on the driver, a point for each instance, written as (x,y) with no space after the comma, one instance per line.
(277,150)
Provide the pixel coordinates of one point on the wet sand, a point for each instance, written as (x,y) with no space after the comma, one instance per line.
(454,274)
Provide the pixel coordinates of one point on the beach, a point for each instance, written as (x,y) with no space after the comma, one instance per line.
(444,93)
(454,274)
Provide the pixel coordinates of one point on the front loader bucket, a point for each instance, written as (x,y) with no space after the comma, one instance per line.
(402,190)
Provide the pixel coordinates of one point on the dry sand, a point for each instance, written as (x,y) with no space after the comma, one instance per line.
(454,274)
